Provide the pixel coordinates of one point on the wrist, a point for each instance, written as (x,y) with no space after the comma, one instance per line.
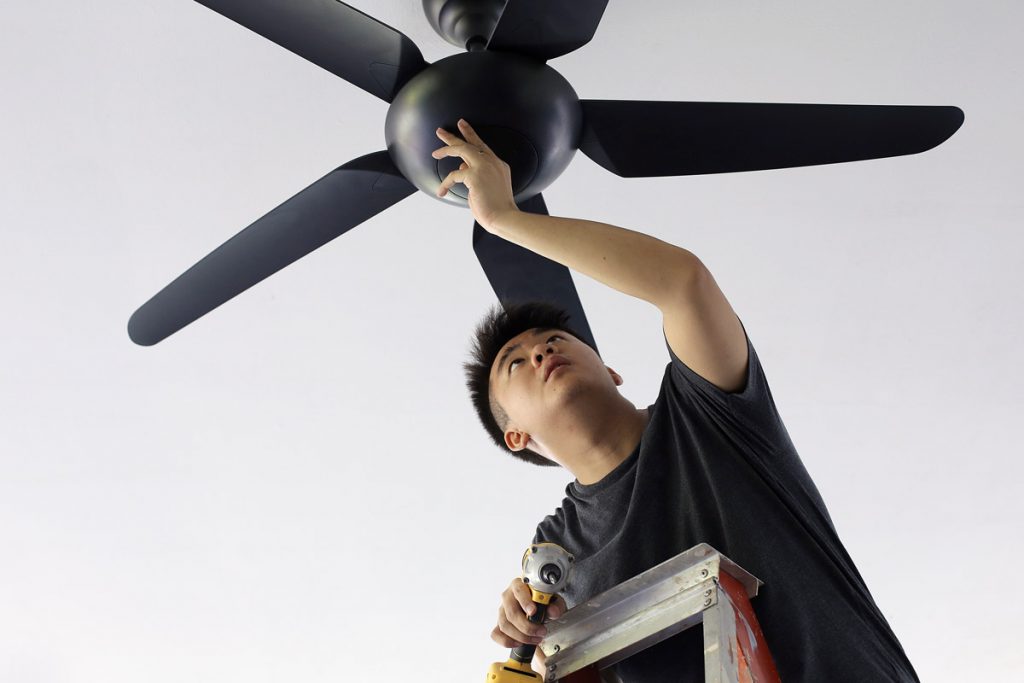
(501,220)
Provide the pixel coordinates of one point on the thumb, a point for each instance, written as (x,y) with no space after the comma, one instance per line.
(556,607)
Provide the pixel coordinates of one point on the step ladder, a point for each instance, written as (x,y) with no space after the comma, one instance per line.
(698,586)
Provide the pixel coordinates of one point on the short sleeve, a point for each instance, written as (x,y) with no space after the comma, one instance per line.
(751,409)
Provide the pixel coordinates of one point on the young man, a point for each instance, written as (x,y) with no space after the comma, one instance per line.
(709,461)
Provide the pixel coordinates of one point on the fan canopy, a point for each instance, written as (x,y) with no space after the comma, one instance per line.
(534,120)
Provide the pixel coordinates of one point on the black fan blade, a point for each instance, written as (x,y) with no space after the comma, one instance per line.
(339,38)
(637,139)
(519,275)
(546,29)
(330,207)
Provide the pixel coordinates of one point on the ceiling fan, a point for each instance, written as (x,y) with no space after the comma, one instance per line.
(528,114)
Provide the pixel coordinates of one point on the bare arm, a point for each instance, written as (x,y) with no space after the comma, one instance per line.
(700,325)
(631,262)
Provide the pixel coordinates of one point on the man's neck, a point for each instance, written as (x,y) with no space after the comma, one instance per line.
(592,445)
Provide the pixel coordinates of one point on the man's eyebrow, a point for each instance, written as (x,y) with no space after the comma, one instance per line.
(509,350)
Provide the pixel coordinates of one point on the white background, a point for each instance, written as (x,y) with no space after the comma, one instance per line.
(296,488)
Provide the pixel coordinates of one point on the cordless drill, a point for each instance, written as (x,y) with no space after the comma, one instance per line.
(546,568)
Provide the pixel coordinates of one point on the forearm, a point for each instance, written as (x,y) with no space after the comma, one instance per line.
(631,262)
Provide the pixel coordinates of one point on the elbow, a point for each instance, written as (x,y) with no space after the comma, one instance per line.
(681,277)
(689,274)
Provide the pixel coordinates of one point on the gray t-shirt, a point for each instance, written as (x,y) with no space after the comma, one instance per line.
(720,468)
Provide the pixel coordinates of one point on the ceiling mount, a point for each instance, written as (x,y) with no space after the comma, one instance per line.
(466,24)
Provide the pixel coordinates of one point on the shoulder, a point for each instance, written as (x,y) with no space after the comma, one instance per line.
(704,332)
(552,528)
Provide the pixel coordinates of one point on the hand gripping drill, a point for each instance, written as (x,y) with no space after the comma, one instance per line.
(546,568)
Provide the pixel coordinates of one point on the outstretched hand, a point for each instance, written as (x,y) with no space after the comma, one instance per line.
(488,178)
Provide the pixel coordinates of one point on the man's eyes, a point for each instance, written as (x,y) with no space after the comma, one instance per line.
(517,360)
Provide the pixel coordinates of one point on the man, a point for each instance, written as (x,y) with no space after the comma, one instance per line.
(710,461)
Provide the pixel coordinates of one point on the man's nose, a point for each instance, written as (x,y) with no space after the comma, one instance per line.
(540,350)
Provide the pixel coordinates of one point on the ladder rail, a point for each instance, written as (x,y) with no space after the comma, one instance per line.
(698,586)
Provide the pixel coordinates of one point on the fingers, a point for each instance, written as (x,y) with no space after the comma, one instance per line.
(523,595)
(450,179)
(502,639)
(514,627)
(467,132)
(519,633)
(513,616)
(457,146)
(466,149)
(470,134)
(451,150)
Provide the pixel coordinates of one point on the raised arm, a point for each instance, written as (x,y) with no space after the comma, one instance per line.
(633,263)
(701,327)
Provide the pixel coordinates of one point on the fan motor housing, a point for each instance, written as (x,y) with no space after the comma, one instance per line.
(523,109)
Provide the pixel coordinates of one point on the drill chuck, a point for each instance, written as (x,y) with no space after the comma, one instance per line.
(546,569)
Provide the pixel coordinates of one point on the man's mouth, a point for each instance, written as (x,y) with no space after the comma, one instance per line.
(557,364)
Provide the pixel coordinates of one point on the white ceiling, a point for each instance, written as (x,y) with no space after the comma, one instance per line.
(295,487)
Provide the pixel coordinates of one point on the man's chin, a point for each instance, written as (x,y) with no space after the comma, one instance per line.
(565,389)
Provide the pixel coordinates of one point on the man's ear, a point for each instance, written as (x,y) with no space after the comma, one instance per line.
(616,377)
(516,440)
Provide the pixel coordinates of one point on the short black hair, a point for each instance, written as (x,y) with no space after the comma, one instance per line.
(498,326)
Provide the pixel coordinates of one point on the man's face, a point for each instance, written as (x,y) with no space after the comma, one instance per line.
(540,371)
